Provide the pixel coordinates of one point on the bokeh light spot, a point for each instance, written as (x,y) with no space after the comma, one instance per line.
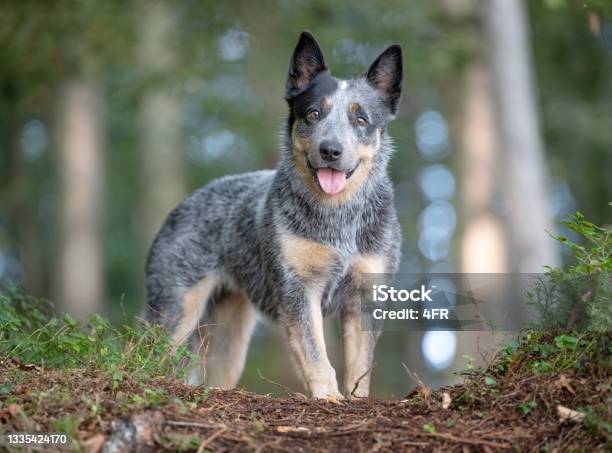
(438,348)
(437,182)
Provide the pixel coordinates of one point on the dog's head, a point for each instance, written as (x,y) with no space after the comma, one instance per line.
(335,126)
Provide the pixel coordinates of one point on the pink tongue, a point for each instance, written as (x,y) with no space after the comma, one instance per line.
(331,181)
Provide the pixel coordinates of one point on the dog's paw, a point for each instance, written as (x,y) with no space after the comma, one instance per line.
(330,395)
(334,399)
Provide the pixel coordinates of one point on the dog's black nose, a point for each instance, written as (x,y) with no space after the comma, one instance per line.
(330,151)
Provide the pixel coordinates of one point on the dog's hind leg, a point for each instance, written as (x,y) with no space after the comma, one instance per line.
(192,306)
(223,339)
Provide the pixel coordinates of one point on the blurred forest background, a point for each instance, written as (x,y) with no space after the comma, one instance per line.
(111,112)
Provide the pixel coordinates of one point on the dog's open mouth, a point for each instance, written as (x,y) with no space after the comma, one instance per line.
(332,181)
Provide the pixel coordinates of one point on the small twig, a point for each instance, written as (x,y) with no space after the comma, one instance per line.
(216,408)
(360,378)
(359,428)
(508,395)
(209,439)
(411,443)
(469,441)
(193,424)
(487,356)
(273,446)
(412,375)
(479,424)
(299,419)
(323,408)
(261,447)
(530,378)
(284,387)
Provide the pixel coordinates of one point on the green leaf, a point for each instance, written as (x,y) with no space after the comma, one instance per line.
(430,428)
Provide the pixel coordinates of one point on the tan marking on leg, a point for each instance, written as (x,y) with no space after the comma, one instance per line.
(368,264)
(310,353)
(358,343)
(307,258)
(227,334)
(194,303)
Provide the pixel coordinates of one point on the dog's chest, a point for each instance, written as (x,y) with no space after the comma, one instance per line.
(313,259)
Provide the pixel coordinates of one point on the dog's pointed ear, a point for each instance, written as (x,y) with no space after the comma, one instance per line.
(385,74)
(306,62)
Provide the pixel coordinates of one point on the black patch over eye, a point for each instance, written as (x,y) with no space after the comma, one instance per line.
(361,121)
(313,116)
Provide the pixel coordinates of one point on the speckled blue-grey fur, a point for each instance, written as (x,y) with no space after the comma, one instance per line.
(233,226)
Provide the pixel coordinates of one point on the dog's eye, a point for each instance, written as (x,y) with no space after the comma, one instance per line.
(313,116)
(362,121)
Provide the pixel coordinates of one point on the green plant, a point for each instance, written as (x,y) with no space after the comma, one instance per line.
(257,425)
(526,407)
(597,420)
(29,332)
(430,428)
(68,424)
(541,352)
(470,362)
(580,295)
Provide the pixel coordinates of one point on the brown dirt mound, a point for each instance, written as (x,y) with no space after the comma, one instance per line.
(487,413)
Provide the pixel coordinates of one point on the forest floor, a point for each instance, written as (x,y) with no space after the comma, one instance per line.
(545,392)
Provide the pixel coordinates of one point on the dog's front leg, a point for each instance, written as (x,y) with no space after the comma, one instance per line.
(358,353)
(304,327)
(359,342)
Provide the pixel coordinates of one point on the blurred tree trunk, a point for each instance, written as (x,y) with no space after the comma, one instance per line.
(22,210)
(524,181)
(81,164)
(484,243)
(160,132)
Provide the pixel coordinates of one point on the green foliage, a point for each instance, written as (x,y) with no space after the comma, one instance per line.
(68,424)
(541,352)
(29,333)
(580,295)
(430,428)
(597,420)
(256,424)
(597,255)
(526,407)
(180,442)
(470,362)
(489,380)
